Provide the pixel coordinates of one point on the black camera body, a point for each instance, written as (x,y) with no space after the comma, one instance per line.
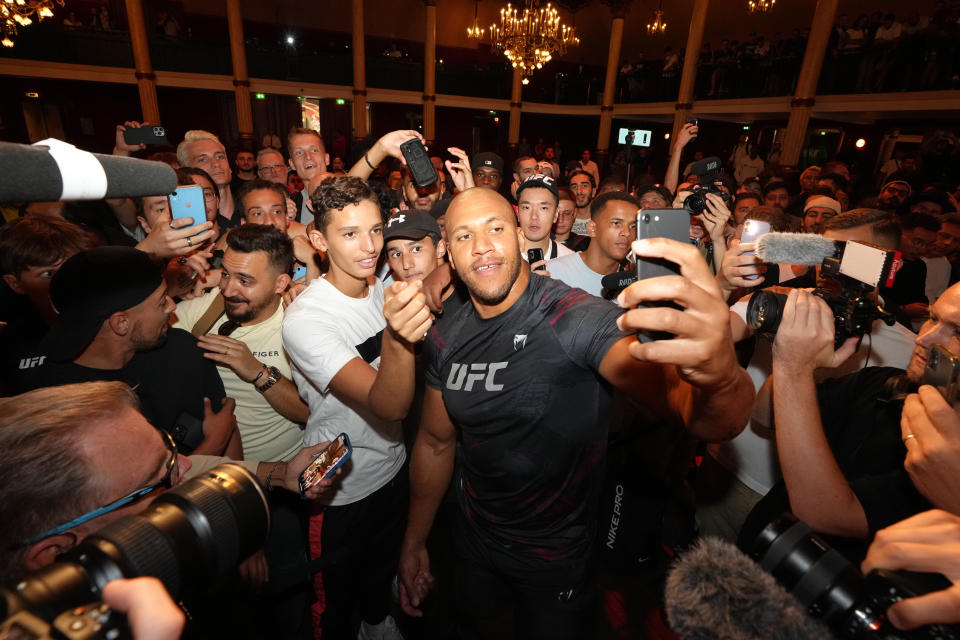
(189,538)
(708,169)
(831,588)
(848,296)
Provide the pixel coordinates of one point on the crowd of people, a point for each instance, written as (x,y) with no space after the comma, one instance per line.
(464,335)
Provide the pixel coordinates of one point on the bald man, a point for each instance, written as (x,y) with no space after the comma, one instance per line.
(519,373)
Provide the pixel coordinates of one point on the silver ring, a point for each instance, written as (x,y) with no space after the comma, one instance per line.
(189,242)
(908,437)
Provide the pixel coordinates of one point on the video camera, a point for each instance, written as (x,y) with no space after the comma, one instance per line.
(849,272)
(709,170)
(189,538)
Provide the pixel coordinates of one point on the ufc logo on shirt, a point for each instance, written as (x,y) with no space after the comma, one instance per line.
(463,376)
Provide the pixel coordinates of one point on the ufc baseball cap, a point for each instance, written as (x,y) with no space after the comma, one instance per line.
(539,181)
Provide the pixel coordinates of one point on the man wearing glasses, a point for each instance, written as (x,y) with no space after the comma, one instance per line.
(76,457)
(272,168)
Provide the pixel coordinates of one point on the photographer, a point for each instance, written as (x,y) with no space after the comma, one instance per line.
(737,474)
(845,475)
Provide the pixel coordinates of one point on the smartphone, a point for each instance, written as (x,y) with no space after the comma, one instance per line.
(147,134)
(941,372)
(421,169)
(694,122)
(534,255)
(187,202)
(752,231)
(333,456)
(641,137)
(660,223)
(299,272)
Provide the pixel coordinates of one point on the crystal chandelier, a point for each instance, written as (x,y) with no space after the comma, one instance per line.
(475,31)
(532,36)
(19,13)
(760,6)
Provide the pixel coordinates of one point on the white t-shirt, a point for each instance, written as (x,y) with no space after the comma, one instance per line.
(752,455)
(321,331)
(266,434)
(574,272)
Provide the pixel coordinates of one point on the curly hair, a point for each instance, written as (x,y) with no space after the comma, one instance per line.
(334,194)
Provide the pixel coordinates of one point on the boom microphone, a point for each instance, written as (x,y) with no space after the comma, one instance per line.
(714,591)
(797,248)
(54,170)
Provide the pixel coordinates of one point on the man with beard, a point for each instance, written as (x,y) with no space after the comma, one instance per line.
(518,377)
(581,185)
(113,313)
(244,339)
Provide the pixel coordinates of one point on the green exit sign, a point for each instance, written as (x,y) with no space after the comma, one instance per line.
(261,96)
(341,101)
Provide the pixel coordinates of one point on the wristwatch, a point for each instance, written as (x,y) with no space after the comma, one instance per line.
(272,378)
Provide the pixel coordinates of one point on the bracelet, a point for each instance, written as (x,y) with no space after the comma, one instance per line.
(274,376)
(263,368)
(367,160)
(270,475)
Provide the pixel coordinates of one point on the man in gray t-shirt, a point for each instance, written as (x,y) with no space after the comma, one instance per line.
(613,226)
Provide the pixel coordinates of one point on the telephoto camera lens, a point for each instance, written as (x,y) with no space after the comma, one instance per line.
(189,538)
(834,590)
(764,311)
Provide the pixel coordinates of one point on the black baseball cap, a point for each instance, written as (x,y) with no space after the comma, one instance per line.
(413,224)
(91,286)
(540,181)
(487,159)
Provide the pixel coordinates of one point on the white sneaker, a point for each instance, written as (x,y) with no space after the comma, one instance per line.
(386,629)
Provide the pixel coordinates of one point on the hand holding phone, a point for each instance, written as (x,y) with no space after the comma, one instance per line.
(942,371)
(660,223)
(326,463)
(145,134)
(187,202)
(421,169)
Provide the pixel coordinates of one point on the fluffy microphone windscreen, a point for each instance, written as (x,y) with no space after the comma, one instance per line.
(795,248)
(31,174)
(714,592)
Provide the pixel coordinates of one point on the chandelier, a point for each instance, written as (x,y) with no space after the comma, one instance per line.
(14,13)
(760,6)
(531,38)
(475,31)
(658,25)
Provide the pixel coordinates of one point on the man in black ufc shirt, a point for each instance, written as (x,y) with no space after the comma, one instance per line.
(520,374)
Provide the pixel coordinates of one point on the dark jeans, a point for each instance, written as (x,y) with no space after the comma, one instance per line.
(493,604)
(363,542)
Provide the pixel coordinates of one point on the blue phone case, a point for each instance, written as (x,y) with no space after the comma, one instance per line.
(187,202)
(299,272)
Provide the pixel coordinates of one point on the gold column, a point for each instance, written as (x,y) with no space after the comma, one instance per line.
(802,105)
(430,72)
(146,80)
(688,79)
(513,136)
(241,81)
(359,74)
(610,83)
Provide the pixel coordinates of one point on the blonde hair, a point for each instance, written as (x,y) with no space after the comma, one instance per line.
(194,135)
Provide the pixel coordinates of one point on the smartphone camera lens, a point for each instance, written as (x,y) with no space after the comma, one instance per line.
(646,218)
